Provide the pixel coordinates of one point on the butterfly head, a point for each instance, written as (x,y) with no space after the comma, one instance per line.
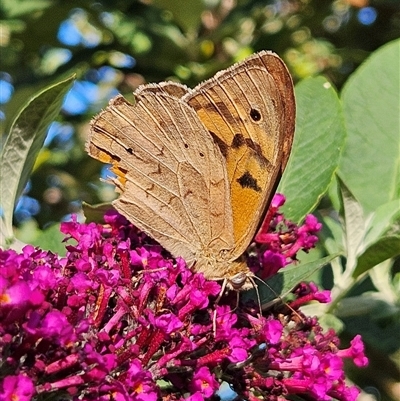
(235,273)
(240,281)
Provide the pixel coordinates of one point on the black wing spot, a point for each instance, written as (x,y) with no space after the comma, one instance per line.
(223,147)
(186,145)
(130,151)
(255,115)
(238,141)
(201,154)
(258,154)
(248,181)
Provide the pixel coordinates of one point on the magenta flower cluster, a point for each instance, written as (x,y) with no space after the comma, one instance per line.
(119,319)
(279,239)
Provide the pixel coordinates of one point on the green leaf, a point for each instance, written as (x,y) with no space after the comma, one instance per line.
(381,277)
(382,221)
(331,234)
(354,224)
(318,141)
(381,332)
(51,239)
(23,144)
(371,304)
(95,213)
(370,164)
(6,241)
(284,281)
(329,321)
(187,14)
(19,8)
(385,248)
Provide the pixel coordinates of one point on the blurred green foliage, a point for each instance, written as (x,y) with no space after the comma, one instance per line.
(44,41)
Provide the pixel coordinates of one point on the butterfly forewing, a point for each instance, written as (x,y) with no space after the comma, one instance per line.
(173,89)
(244,109)
(284,83)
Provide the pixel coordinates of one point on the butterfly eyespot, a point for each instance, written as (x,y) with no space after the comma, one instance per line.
(255,115)
(201,154)
(186,145)
(130,151)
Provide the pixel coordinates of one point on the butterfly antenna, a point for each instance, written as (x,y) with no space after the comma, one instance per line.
(225,282)
(253,283)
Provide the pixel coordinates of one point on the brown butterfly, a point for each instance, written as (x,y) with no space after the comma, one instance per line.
(196,168)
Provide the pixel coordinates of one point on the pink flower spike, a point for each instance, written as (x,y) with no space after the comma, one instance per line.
(278,200)
(197,396)
(312,223)
(238,349)
(55,324)
(344,393)
(19,388)
(356,352)
(271,263)
(118,316)
(167,322)
(273,329)
(204,382)
(141,383)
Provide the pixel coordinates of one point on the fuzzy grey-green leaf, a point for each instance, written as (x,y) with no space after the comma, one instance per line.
(385,248)
(354,224)
(24,142)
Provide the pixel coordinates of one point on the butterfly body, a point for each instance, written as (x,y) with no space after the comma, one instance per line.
(196,168)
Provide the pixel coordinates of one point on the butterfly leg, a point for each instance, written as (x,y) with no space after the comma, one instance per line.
(225,282)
